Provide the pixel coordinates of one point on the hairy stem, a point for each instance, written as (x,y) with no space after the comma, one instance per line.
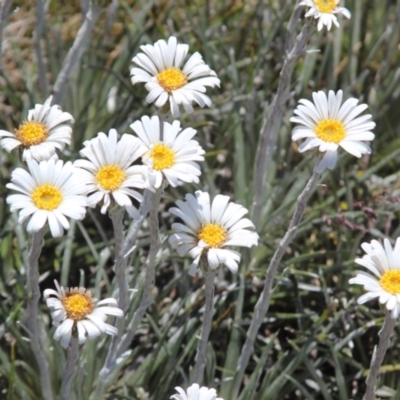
(40,14)
(3,19)
(70,369)
(119,345)
(75,52)
(147,296)
(378,356)
(201,355)
(117,216)
(33,313)
(273,119)
(262,304)
(132,234)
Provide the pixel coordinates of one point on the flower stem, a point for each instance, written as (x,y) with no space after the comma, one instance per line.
(70,369)
(273,118)
(378,356)
(132,234)
(262,304)
(120,344)
(75,53)
(147,296)
(117,216)
(201,354)
(33,313)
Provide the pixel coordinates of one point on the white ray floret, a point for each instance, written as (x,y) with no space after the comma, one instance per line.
(324,11)
(109,172)
(51,191)
(209,228)
(77,312)
(383,281)
(328,124)
(195,392)
(172,157)
(46,129)
(160,67)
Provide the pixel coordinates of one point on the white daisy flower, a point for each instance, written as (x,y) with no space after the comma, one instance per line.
(210,228)
(384,282)
(46,129)
(76,312)
(160,67)
(109,172)
(195,392)
(173,156)
(324,11)
(328,124)
(51,191)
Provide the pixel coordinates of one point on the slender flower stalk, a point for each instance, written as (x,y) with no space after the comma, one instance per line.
(33,313)
(116,216)
(378,356)
(262,304)
(75,53)
(147,296)
(70,369)
(119,345)
(273,120)
(201,354)
(5,5)
(139,216)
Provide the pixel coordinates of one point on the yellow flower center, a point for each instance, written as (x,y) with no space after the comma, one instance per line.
(110,177)
(330,130)
(46,197)
(171,79)
(163,157)
(390,281)
(326,6)
(77,305)
(31,133)
(213,235)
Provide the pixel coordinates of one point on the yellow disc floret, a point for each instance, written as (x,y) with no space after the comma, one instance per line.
(390,281)
(46,197)
(163,157)
(31,133)
(330,130)
(171,79)
(213,235)
(110,177)
(326,6)
(77,305)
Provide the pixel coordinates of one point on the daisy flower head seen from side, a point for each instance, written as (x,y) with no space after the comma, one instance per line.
(109,172)
(195,392)
(77,312)
(46,129)
(383,279)
(50,192)
(160,67)
(324,11)
(209,228)
(328,124)
(174,156)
